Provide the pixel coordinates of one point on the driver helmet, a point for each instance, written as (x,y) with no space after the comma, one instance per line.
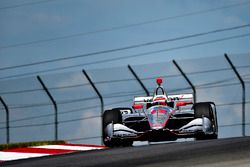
(160,99)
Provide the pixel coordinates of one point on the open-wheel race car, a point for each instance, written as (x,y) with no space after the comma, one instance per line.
(160,117)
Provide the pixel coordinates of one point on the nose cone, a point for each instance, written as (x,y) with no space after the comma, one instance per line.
(158,117)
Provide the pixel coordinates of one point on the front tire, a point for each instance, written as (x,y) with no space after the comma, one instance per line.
(205,109)
(113,116)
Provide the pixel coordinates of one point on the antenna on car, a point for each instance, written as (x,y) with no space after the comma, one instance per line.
(159,81)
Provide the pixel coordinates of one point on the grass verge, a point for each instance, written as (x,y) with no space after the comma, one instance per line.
(29,144)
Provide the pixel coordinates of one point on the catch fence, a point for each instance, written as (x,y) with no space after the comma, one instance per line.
(68,106)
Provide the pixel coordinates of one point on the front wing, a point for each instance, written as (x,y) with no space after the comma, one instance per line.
(193,128)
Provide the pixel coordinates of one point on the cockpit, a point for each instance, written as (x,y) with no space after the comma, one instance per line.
(160,94)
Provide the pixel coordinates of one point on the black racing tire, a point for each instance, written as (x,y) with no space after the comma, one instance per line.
(110,116)
(204,109)
(126,143)
(114,116)
(206,137)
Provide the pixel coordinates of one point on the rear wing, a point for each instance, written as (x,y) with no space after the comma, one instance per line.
(172,98)
(142,100)
(181,97)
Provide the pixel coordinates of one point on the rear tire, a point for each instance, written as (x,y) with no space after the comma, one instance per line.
(201,110)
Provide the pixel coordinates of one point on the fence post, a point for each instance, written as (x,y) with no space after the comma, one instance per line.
(99,95)
(7,120)
(187,79)
(54,104)
(138,79)
(243,92)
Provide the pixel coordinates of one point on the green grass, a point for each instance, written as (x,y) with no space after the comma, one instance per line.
(29,144)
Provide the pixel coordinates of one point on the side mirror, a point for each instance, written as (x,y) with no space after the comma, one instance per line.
(183,103)
(137,106)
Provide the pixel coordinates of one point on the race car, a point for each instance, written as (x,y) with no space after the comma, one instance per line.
(160,117)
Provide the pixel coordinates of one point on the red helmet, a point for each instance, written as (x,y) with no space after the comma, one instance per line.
(160,99)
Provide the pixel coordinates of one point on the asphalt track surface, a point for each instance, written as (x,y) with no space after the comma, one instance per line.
(223,152)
